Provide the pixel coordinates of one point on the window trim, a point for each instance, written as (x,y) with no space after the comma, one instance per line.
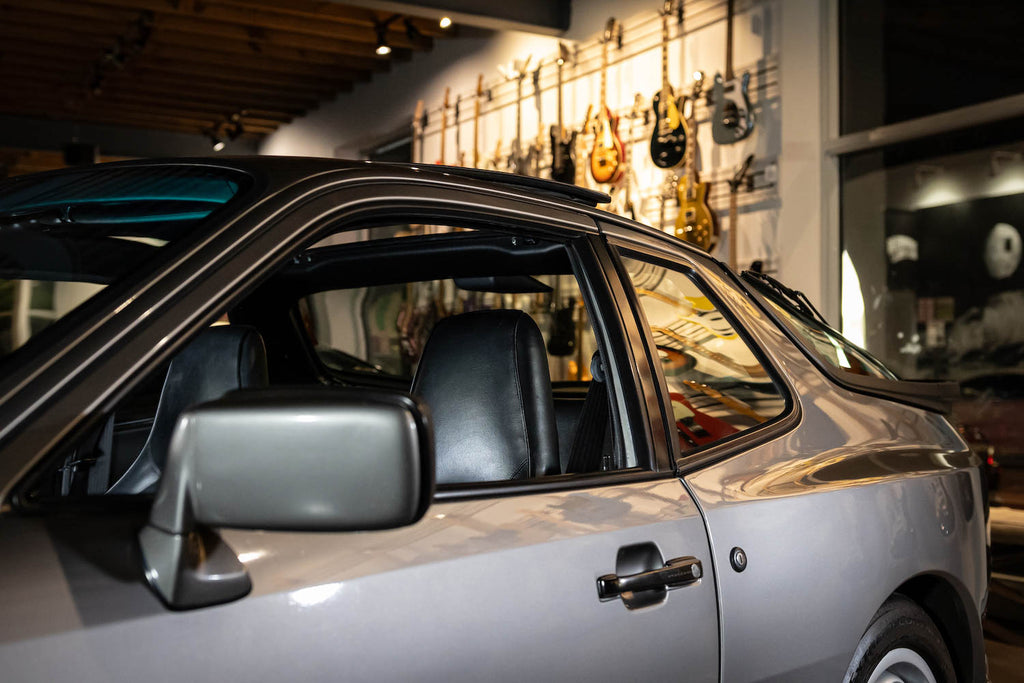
(702,456)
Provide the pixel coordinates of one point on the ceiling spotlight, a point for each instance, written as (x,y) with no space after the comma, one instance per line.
(215,140)
(381,28)
(445,22)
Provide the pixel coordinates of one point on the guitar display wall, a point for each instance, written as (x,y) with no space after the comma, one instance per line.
(634,77)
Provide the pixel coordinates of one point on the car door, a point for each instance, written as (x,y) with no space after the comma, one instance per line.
(594,577)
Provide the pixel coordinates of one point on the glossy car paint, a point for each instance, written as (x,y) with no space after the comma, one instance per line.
(833,515)
(501,589)
(836,506)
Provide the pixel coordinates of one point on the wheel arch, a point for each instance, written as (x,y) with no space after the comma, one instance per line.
(945,599)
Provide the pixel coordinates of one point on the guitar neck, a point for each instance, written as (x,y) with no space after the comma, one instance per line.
(561,128)
(733,220)
(604,76)
(664,60)
(728,41)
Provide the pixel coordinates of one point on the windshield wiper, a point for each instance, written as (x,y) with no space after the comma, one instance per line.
(794,297)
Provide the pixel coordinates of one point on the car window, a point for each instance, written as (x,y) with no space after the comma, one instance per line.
(65,237)
(826,343)
(500,349)
(717,385)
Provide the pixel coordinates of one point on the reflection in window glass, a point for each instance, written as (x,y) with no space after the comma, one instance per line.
(66,236)
(382,329)
(716,384)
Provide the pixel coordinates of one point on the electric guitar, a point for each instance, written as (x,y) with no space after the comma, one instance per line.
(563,142)
(419,124)
(734,187)
(696,222)
(518,161)
(536,152)
(581,145)
(668,140)
(733,118)
(444,123)
(460,156)
(476,120)
(606,158)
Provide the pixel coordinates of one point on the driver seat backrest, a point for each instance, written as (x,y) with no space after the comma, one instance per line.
(485,377)
(221,359)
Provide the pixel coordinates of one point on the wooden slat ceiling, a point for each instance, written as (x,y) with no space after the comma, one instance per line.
(224,67)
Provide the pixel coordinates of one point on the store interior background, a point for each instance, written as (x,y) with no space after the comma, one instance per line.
(888,173)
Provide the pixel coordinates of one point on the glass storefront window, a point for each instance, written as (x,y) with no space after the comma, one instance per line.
(903,59)
(933,243)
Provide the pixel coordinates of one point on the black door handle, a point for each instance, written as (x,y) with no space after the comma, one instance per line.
(681,571)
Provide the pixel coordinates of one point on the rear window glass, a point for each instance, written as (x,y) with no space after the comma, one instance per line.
(66,236)
(827,344)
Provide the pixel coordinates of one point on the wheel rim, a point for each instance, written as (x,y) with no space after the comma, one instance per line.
(902,666)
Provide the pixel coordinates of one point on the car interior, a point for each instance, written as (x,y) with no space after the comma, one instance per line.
(467,320)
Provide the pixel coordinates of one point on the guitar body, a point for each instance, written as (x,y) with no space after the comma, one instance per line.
(563,156)
(606,159)
(668,140)
(696,222)
(731,121)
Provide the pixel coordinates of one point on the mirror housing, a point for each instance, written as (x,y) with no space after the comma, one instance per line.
(282,459)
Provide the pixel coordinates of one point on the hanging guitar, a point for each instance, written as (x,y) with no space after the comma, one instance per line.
(476,120)
(536,151)
(581,145)
(563,142)
(419,125)
(460,156)
(696,222)
(668,140)
(733,118)
(741,176)
(444,123)
(518,160)
(607,156)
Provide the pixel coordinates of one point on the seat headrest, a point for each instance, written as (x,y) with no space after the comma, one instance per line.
(485,377)
(219,360)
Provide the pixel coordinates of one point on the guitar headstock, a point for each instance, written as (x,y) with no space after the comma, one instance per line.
(564,53)
(741,174)
(609,30)
(698,84)
(480,85)
(447,95)
(668,8)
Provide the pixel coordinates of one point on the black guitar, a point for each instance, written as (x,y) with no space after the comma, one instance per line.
(668,141)
(733,118)
(563,142)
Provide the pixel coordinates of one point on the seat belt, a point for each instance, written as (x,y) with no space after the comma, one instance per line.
(588,441)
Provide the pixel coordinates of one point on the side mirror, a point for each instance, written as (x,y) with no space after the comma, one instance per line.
(283,459)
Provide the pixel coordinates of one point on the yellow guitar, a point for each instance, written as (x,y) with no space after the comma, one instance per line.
(696,222)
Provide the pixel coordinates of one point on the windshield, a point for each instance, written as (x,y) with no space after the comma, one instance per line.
(66,236)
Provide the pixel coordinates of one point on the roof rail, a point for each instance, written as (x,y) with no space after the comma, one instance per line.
(582,195)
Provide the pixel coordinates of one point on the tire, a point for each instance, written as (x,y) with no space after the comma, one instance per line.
(901,645)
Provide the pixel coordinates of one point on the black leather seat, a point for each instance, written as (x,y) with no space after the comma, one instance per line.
(485,377)
(219,360)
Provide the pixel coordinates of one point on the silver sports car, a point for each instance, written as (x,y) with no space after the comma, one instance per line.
(307,420)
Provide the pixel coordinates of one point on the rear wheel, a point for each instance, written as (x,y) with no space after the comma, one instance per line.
(901,645)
